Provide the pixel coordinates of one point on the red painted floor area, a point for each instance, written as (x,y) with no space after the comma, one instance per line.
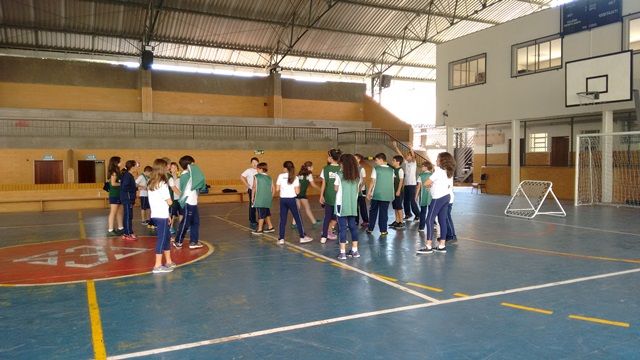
(78,260)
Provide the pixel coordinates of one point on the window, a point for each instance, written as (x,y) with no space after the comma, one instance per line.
(633,33)
(537,55)
(467,72)
(538,142)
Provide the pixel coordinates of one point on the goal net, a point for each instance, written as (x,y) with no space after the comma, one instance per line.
(534,197)
(608,169)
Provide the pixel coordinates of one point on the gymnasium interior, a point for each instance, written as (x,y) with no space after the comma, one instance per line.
(545,263)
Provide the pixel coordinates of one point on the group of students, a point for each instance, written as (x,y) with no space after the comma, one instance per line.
(344,195)
(167,197)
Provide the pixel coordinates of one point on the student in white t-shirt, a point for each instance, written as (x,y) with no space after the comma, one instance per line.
(141,183)
(159,202)
(440,184)
(288,186)
(247,177)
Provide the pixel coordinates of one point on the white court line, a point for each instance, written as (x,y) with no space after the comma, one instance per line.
(552,223)
(343,265)
(362,315)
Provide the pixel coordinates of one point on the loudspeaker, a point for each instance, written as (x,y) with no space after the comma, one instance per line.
(385,81)
(147,59)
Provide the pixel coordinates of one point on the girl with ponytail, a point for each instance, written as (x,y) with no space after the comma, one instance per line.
(288,186)
(305,177)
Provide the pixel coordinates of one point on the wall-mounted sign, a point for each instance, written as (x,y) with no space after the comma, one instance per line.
(583,15)
(47,157)
(91,157)
(258,152)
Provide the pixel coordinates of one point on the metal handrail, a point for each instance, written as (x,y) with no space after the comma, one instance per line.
(75,128)
(375,136)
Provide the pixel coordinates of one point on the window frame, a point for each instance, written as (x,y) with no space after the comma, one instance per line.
(534,139)
(626,31)
(536,45)
(466,62)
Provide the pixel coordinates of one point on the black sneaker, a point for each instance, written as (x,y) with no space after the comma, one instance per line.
(393,224)
(270,230)
(369,231)
(399,226)
(177,245)
(256,232)
(406,218)
(425,250)
(440,249)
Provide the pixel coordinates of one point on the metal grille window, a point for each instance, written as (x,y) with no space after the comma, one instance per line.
(468,72)
(538,142)
(537,56)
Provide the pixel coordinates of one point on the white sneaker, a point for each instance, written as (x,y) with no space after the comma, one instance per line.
(323,240)
(306,239)
(280,242)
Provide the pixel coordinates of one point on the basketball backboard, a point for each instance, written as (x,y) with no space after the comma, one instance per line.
(600,79)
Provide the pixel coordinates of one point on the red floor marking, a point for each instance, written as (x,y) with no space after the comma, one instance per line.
(78,260)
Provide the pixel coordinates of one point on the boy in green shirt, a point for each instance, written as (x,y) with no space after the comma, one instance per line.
(380,193)
(398,185)
(262,197)
(423,195)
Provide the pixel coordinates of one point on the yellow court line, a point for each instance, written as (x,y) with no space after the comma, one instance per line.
(558,253)
(83,231)
(320,260)
(527,308)
(426,287)
(385,277)
(600,321)
(461,294)
(339,266)
(294,250)
(99,350)
(308,255)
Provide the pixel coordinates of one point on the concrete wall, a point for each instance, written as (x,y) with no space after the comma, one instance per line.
(53,85)
(534,96)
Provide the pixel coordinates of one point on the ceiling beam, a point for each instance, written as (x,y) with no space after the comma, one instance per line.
(417,11)
(262,20)
(196,43)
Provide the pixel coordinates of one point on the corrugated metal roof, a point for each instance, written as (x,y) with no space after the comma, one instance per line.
(346,39)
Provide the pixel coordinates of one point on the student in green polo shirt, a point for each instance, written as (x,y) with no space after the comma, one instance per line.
(305,176)
(398,185)
(347,186)
(328,193)
(423,196)
(381,193)
(262,197)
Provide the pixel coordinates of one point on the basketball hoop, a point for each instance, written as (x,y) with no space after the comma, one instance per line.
(588,97)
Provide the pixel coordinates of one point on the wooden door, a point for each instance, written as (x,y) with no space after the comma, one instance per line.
(48,172)
(560,151)
(86,171)
(522,151)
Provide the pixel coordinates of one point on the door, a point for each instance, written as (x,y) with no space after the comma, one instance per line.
(560,151)
(522,152)
(48,172)
(86,171)
(101,175)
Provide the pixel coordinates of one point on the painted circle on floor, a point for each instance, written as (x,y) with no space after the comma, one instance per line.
(67,261)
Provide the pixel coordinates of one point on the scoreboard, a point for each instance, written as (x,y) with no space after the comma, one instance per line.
(580,15)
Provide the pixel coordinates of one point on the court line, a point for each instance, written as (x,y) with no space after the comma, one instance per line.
(527,308)
(342,265)
(458,294)
(99,350)
(599,321)
(558,224)
(426,287)
(364,315)
(551,252)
